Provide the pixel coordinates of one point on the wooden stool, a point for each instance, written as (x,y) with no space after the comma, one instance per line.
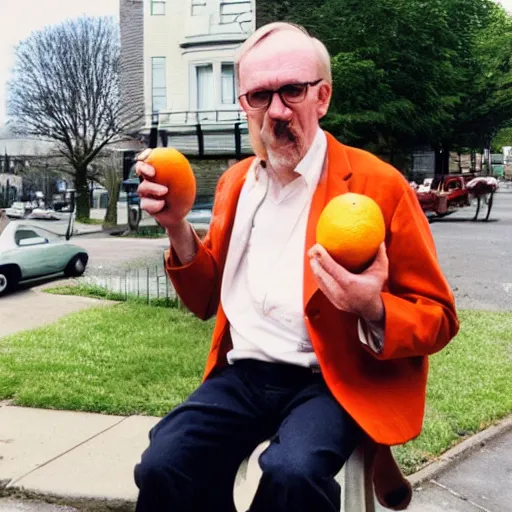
(355,480)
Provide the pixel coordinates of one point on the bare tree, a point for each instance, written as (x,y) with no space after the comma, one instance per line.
(66,87)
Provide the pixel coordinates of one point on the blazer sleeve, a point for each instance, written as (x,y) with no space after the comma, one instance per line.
(420,313)
(197,283)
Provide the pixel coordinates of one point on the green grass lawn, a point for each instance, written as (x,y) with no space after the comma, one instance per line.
(124,359)
(137,359)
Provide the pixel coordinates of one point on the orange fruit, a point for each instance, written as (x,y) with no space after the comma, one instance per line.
(173,170)
(351,228)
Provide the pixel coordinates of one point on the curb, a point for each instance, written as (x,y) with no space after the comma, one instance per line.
(82,504)
(88,504)
(460,452)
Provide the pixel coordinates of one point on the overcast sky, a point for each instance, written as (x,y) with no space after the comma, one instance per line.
(20,17)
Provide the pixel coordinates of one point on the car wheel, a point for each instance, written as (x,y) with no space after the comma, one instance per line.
(8,281)
(76,267)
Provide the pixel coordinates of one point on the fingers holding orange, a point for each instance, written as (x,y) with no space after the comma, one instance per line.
(144,154)
(152,206)
(172,170)
(151,189)
(144,170)
(152,196)
(168,186)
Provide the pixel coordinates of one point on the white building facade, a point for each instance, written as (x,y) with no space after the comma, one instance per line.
(189,47)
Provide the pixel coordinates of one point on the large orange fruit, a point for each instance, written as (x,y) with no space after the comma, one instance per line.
(173,170)
(351,228)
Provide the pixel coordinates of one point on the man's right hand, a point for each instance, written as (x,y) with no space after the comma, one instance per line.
(152,195)
(152,200)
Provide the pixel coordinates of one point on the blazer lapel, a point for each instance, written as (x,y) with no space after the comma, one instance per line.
(243,213)
(334,182)
(229,201)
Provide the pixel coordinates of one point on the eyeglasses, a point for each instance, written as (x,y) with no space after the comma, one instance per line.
(289,94)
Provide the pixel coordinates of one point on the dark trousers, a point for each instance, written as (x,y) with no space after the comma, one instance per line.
(195,451)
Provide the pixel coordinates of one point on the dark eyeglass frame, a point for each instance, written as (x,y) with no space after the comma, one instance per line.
(281,92)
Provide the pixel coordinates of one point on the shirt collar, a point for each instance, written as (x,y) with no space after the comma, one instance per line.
(311,166)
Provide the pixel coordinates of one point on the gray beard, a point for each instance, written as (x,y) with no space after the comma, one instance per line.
(280,162)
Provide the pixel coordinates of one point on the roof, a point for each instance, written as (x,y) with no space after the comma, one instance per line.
(23,145)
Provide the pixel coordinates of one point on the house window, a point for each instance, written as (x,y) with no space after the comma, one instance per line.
(205,87)
(230,10)
(158,84)
(227,79)
(198,7)
(157,7)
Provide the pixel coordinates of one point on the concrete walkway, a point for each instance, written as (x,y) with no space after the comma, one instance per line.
(86,461)
(480,482)
(72,455)
(30,308)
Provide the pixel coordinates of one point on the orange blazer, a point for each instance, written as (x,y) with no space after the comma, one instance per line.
(384,393)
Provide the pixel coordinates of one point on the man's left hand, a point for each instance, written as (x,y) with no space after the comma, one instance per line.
(353,293)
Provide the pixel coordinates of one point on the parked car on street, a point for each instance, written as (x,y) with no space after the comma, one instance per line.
(16,211)
(30,253)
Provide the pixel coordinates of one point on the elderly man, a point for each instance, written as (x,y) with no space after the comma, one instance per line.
(304,353)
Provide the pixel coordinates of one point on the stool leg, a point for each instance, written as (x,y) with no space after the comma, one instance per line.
(359,495)
(369,494)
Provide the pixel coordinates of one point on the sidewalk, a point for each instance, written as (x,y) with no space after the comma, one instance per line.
(30,308)
(81,459)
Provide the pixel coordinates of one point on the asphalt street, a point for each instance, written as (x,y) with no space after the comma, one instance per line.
(475,256)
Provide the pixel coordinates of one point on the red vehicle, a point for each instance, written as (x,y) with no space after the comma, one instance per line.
(447,194)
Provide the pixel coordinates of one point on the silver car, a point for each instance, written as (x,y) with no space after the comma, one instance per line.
(29,253)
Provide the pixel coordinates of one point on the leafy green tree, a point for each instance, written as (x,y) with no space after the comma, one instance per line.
(486,106)
(411,73)
(502,138)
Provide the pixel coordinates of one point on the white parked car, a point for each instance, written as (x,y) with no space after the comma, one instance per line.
(29,253)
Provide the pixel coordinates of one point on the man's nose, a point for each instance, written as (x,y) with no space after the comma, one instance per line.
(278,110)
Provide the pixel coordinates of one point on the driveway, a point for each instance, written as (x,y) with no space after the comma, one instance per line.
(30,308)
(112,254)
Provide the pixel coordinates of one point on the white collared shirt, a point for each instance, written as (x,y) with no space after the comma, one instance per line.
(262,288)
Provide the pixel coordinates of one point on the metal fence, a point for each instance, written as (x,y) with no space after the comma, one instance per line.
(148,283)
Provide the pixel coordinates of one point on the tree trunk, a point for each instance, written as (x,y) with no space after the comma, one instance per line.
(112,184)
(83,209)
(111,215)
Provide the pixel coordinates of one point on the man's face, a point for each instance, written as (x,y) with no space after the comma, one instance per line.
(283,132)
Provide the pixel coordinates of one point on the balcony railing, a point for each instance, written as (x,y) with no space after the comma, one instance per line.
(191,118)
(220,133)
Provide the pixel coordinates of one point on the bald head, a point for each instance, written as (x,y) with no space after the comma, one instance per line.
(286,34)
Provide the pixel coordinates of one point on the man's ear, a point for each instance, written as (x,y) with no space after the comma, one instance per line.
(324,99)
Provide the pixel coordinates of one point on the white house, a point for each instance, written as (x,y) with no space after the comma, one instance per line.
(187,71)
(189,48)
(177,62)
